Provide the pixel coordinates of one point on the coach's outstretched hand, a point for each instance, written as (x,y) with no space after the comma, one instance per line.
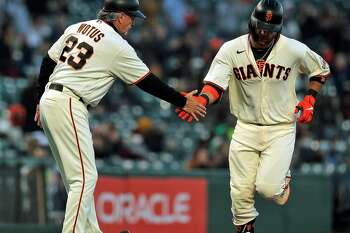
(184,114)
(194,108)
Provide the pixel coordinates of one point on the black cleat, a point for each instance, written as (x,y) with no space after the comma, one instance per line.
(246,228)
(125,231)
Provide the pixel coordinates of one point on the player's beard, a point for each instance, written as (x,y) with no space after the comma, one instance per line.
(262,41)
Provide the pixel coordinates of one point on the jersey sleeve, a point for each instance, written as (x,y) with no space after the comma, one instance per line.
(56,49)
(313,64)
(220,69)
(128,66)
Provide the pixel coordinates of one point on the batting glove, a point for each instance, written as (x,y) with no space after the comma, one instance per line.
(306,106)
(185,116)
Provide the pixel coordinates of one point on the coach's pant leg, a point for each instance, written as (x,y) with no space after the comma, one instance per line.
(275,161)
(66,125)
(243,163)
(92,224)
(82,187)
(86,145)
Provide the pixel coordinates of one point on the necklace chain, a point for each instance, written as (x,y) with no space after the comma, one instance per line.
(267,51)
(261,61)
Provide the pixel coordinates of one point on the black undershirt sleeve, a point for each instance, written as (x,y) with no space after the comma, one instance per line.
(46,69)
(154,86)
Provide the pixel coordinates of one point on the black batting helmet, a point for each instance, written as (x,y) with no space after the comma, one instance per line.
(268,15)
(130,7)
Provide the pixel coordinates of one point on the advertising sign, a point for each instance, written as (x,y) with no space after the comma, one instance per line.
(152,205)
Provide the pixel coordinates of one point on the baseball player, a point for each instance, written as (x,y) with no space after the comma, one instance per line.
(76,73)
(260,69)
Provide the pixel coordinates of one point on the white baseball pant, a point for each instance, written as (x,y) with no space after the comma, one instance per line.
(65,122)
(259,160)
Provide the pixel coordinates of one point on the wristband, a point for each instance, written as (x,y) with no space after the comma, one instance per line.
(206,97)
(312,92)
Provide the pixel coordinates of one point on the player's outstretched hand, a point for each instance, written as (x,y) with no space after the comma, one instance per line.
(195,106)
(306,106)
(37,116)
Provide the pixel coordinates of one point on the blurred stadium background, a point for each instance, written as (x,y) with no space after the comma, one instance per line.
(138,138)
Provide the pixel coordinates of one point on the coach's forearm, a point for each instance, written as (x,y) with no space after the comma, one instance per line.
(46,69)
(154,86)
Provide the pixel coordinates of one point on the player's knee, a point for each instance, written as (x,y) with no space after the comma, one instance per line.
(267,190)
(90,184)
(91,179)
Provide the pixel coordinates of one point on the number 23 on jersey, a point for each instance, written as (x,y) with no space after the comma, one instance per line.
(78,61)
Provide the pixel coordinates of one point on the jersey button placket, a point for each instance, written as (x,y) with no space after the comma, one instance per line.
(262,99)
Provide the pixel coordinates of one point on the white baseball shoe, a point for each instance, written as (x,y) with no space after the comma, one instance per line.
(284,196)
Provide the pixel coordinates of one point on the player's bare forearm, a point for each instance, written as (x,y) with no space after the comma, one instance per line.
(316,86)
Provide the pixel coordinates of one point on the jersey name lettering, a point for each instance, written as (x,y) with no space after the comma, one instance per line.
(91,32)
(271,71)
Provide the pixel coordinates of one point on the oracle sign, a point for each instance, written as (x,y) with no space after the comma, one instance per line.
(164,205)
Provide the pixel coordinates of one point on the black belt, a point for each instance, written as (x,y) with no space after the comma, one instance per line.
(259,124)
(56,86)
(59,87)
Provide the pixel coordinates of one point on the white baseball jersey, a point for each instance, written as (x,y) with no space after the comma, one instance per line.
(267,98)
(90,55)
